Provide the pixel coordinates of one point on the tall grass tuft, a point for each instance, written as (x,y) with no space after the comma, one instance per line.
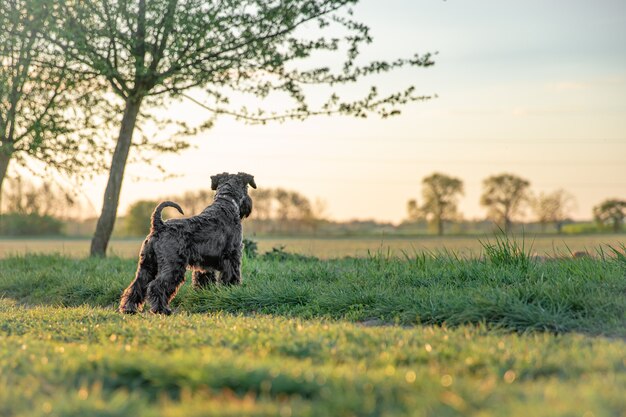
(619,252)
(507,251)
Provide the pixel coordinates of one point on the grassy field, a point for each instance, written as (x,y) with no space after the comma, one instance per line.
(377,336)
(333,247)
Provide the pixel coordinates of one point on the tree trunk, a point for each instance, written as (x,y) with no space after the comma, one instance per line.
(104,228)
(617,224)
(440,226)
(5,158)
(507,225)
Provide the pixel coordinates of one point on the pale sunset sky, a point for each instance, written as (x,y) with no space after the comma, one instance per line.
(536,88)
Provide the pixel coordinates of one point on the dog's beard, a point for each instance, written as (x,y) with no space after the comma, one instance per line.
(245,208)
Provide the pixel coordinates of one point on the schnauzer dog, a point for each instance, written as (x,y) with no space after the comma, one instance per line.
(208,243)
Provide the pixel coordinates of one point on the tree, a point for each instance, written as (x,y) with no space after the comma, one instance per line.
(611,212)
(151,50)
(192,202)
(440,193)
(318,214)
(291,205)
(262,199)
(413,210)
(46,199)
(33,210)
(43,104)
(280,210)
(503,196)
(137,220)
(553,207)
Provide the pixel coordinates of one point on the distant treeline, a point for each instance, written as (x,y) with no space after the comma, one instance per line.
(29,210)
(276,211)
(506,197)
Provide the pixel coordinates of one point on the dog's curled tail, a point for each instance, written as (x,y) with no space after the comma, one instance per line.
(156,221)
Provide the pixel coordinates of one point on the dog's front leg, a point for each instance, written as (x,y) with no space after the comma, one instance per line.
(231,274)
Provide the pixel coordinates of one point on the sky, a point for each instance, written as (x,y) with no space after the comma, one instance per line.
(534,88)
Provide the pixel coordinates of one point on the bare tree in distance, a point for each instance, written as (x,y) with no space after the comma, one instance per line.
(46,112)
(192,202)
(262,199)
(413,211)
(319,209)
(553,207)
(611,212)
(285,211)
(291,205)
(149,51)
(503,196)
(441,193)
(45,199)
(319,213)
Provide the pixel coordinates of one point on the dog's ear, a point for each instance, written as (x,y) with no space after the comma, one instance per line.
(217,179)
(247,179)
(245,208)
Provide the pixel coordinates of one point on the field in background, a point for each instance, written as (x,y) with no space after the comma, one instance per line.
(334,247)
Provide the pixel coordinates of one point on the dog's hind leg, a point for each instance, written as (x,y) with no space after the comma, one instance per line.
(203,279)
(161,291)
(134,295)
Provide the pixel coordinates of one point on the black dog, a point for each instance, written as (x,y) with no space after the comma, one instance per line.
(207,243)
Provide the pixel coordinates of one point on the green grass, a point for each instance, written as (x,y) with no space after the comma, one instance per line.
(424,334)
(508,290)
(91,361)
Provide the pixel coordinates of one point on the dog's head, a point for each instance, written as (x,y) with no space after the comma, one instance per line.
(235,186)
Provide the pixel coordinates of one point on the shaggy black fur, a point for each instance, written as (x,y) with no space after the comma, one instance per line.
(208,243)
